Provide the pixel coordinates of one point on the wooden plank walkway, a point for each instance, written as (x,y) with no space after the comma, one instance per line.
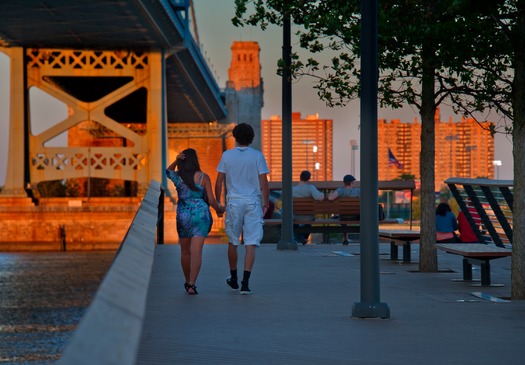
(300,312)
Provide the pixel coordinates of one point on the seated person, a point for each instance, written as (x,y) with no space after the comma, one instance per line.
(446,224)
(349,190)
(271,232)
(305,190)
(466,234)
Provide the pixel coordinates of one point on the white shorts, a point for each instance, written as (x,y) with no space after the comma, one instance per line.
(244,217)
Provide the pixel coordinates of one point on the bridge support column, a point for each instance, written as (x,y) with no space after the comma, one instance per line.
(14,182)
(156,117)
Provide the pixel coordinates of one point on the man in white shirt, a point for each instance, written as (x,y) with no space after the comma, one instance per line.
(305,190)
(243,171)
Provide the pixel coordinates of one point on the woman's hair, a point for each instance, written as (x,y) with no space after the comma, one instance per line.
(442,209)
(243,134)
(188,166)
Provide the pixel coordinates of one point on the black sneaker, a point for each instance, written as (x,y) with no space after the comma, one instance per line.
(244,288)
(232,283)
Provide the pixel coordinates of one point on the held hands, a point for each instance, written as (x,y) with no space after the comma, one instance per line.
(221,211)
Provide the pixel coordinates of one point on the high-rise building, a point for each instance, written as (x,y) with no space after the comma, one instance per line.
(312,146)
(463,149)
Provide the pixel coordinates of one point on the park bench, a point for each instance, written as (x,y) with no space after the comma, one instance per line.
(402,238)
(492,200)
(324,211)
(477,254)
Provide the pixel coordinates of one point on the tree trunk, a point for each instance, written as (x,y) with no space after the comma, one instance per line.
(518,151)
(427,249)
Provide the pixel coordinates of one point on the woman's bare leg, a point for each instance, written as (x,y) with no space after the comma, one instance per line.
(185,257)
(196,257)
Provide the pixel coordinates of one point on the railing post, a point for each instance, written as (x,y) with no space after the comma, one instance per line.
(160,219)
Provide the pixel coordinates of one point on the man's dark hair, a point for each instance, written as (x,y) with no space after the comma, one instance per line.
(243,134)
(305,175)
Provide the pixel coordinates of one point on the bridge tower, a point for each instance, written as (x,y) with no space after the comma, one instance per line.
(244,88)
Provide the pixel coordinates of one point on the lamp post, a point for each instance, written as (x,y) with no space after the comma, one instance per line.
(314,150)
(287,242)
(450,138)
(354,147)
(469,149)
(497,163)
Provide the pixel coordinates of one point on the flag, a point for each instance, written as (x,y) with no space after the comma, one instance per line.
(392,160)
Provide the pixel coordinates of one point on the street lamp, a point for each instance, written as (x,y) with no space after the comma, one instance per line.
(497,163)
(451,138)
(469,149)
(314,150)
(354,147)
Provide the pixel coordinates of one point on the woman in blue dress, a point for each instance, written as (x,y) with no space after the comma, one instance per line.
(193,212)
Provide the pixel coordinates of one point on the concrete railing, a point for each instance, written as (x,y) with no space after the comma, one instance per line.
(109,332)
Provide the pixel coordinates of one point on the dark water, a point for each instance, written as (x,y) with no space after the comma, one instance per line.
(42,298)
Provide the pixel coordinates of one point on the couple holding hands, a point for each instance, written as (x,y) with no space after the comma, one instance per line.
(243,171)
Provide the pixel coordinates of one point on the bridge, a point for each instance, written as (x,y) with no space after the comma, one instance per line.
(126,69)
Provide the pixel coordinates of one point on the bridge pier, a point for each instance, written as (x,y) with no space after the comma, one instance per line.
(15,180)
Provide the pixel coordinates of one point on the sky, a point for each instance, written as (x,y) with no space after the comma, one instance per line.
(216,35)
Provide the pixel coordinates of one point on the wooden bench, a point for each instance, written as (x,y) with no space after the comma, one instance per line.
(323,210)
(477,254)
(383,185)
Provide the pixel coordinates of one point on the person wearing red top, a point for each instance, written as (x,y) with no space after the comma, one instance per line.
(466,234)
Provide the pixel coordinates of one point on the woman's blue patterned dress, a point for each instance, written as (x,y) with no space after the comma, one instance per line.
(193,213)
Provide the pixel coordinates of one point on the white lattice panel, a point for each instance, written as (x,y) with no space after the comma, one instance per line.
(103,162)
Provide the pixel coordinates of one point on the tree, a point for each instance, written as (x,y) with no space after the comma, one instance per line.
(52,188)
(499,85)
(424,47)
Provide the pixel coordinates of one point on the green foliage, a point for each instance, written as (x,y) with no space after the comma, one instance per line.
(461,45)
(416,209)
(96,187)
(406,176)
(54,188)
(73,188)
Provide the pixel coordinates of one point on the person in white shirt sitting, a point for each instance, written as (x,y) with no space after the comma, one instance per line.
(305,190)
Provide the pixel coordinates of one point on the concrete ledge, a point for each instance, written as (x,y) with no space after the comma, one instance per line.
(110,331)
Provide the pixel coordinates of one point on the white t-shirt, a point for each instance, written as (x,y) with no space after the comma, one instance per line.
(242,167)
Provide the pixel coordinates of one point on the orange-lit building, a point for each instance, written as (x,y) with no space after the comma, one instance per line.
(312,146)
(463,149)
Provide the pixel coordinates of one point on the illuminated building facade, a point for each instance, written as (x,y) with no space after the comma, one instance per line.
(312,146)
(463,149)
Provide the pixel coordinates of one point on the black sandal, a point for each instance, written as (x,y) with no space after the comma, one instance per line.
(192,289)
(186,287)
